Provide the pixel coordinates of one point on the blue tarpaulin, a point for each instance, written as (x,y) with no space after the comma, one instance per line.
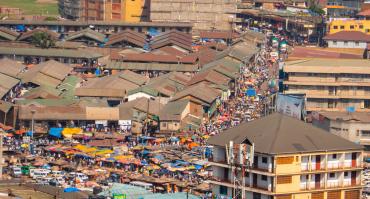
(153,32)
(71,189)
(56,132)
(21,28)
(29,133)
(251,92)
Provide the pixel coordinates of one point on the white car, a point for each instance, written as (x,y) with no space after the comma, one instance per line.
(57,173)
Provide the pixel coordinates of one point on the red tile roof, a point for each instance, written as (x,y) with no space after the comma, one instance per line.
(348,36)
(305,52)
(149,57)
(365,13)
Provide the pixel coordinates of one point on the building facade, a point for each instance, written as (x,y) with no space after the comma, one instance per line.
(204,14)
(321,165)
(349,25)
(354,127)
(330,85)
(105,10)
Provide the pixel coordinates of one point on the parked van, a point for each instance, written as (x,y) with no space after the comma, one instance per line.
(44,171)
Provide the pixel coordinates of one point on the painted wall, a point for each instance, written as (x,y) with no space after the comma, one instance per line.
(349,25)
(348,44)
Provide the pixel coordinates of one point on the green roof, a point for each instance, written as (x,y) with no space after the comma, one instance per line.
(51,52)
(68,86)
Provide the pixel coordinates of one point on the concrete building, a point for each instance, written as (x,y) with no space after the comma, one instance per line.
(354,127)
(204,14)
(105,10)
(342,8)
(328,84)
(292,159)
(349,25)
(348,39)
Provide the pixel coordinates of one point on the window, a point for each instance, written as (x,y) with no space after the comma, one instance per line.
(361,26)
(351,27)
(357,43)
(366,103)
(342,27)
(264,160)
(335,27)
(284,180)
(263,178)
(346,174)
(285,160)
(164,124)
(334,156)
(223,190)
(247,174)
(346,43)
(365,133)
(331,175)
(334,42)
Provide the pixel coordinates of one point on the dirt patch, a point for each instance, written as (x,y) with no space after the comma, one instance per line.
(46,1)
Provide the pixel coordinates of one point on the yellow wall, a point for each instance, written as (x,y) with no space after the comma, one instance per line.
(291,187)
(347,26)
(133,10)
(295,167)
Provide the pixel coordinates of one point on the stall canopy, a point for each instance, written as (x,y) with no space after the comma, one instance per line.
(56,132)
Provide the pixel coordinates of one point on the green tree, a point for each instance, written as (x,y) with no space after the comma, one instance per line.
(43,40)
(315,7)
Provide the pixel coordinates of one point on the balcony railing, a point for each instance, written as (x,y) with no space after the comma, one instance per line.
(312,185)
(332,184)
(331,165)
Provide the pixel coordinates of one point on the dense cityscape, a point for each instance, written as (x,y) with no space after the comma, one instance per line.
(184,99)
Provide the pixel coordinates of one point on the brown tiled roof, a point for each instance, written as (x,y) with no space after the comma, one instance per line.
(129,36)
(168,50)
(11,67)
(218,34)
(210,76)
(345,116)
(169,38)
(280,134)
(365,13)
(202,92)
(348,36)
(149,57)
(308,52)
(109,86)
(28,34)
(71,112)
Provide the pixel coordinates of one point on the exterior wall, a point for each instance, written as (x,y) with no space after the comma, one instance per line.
(350,130)
(204,14)
(105,10)
(195,109)
(295,175)
(138,95)
(349,25)
(135,11)
(170,125)
(349,44)
(333,92)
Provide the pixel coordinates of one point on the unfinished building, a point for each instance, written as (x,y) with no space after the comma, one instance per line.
(204,14)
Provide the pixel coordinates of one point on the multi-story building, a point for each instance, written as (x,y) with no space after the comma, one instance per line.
(292,160)
(354,127)
(342,8)
(329,84)
(204,14)
(105,10)
(349,25)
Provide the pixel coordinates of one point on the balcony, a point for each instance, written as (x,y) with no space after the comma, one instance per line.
(312,185)
(332,184)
